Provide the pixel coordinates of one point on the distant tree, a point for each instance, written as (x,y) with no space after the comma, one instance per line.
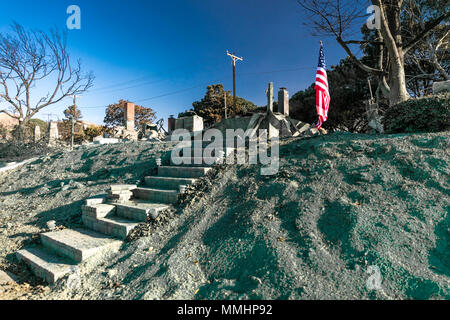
(65,129)
(115,115)
(43,126)
(212,107)
(302,105)
(72,112)
(29,58)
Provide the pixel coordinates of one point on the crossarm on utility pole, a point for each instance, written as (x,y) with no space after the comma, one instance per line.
(235,58)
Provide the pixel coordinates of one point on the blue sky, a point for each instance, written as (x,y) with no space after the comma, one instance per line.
(163,54)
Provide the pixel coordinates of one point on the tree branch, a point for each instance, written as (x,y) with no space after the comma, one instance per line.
(357,61)
(9,114)
(364,42)
(430,25)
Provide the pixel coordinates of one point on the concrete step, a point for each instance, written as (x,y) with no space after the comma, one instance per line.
(139,211)
(114,226)
(198,161)
(45,264)
(97,199)
(200,152)
(100,210)
(156,195)
(167,182)
(77,244)
(122,187)
(182,172)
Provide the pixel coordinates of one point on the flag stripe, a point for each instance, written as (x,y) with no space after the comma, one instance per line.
(323,78)
(322,93)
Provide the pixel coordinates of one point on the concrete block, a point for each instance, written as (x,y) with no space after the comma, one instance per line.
(95,200)
(182,172)
(45,264)
(122,187)
(98,210)
(119,196)
(167,182)
(156,195)
(113,226)
(199,161)
(76,244)
(139,211)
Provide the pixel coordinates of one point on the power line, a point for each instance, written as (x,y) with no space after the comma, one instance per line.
(128,82)
(126,88)
(194,87)
(160,96)
(120,84)
(203,84)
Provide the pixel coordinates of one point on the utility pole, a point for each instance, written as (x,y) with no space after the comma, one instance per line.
(235,58)
(225,103)
(48,115)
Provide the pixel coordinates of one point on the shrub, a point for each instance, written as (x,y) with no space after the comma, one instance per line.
(3,131)
(93,131)
(419,115)
(43,126)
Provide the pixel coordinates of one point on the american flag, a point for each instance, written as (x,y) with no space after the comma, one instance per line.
(322,94)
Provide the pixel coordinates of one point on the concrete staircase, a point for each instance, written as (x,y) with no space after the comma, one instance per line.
(108,220)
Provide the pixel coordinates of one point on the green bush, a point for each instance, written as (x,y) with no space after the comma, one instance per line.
(419,115)
(3,131)
(43,126)
(93,131)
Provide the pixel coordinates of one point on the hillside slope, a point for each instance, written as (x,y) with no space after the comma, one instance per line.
(340,204)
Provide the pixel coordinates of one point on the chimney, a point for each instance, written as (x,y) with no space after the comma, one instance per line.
(129,116)
(283,101)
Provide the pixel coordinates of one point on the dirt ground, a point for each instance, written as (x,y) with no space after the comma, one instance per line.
(341,206)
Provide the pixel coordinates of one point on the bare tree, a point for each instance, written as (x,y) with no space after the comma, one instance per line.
(27,60)
(339,18)
(433,49)
(428,62)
